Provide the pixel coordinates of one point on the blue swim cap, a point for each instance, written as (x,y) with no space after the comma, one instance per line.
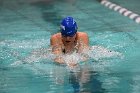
(68,27)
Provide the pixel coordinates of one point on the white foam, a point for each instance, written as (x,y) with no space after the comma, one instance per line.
(99,52)
(95,52)
(24,44)
(34,57)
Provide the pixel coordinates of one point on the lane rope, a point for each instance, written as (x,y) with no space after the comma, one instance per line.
(121,10)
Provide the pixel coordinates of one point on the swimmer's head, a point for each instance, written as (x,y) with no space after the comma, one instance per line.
(68,27)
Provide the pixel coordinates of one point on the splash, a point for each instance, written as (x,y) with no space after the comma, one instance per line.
(94,52)
(99,52)
(36,56)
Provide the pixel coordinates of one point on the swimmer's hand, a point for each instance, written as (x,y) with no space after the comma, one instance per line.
(71,63)
(71,60)
(59,60)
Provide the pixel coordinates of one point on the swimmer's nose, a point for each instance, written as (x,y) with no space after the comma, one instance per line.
(67,37)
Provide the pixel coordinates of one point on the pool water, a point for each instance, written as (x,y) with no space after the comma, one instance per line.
(26,64)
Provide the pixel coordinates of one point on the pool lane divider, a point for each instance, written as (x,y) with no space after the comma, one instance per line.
(121,10)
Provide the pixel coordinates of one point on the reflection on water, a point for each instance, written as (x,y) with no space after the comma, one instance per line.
(85,81)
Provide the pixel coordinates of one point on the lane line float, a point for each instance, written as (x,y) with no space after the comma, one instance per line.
(121,10)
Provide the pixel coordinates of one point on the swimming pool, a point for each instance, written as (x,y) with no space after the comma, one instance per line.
(26,26)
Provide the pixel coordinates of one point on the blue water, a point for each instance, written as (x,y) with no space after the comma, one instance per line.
(26,65)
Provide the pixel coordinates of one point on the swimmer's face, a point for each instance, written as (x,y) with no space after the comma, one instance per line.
(68,39)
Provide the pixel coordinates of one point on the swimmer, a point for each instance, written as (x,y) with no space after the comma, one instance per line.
(68,40)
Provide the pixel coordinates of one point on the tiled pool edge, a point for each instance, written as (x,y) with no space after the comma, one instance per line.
(121,10)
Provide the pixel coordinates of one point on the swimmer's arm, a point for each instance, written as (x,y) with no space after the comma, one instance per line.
(83,42)
(84,46)
(56,49)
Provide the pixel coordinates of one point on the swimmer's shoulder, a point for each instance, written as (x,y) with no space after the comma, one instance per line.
(55,39)
(56,36)
(82,35)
